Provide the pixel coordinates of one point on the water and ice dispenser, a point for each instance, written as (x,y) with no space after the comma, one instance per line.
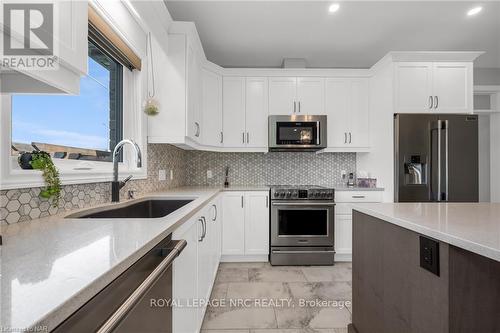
(415,170)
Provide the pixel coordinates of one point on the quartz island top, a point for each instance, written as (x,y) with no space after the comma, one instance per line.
(474,227)
(50,267)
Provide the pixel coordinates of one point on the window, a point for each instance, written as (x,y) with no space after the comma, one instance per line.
(82,127)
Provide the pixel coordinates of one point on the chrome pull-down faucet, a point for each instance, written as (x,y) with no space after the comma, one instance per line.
(115,184)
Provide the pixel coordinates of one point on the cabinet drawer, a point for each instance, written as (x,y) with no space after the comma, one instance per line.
(358,196)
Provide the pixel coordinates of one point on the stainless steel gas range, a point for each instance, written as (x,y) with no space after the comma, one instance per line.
(302,225)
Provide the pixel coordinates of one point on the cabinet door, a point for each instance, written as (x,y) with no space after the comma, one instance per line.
(256,112)
(233,223)
(359,113)
(185,282)
(282,95)
(257,222)
(343,234)
(413,87)
(310,95)
(452,83)
(233,106)
(337,106)
(205,275)
(212,109)
(193,123)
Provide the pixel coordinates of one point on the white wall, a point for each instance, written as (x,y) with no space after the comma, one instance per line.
(486,76)
(380,161)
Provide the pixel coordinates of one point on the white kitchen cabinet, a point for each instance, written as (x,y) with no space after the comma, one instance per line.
(70,43)
(212,109)
(233,223)
(194,90)
(233,107)
(310,95)
(282,95)
(347,102)
(256,112)
(291,95)
(185,279)
(423,87)
(343,219)
(245,112)
(195,269)
(245,231)
(257,223)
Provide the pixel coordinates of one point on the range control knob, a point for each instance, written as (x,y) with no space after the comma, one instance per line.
(282,194)
(288,194)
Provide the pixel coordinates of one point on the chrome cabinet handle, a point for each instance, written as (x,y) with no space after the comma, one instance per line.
(202,230)
(241,201)
(437,102)
(298,203)
(299,106)
(358,196)
(243,137)
(117,317)
(431,102)
(267,201)
(221,137)
(197,133)
(204,227)
(294,106)
(345,137)
(215,212)
(248,137)
(350,137)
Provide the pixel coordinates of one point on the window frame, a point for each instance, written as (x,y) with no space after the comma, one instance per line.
(78,171)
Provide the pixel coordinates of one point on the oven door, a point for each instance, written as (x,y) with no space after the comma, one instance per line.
(302,223)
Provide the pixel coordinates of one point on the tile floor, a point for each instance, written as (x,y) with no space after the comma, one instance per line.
(292,294)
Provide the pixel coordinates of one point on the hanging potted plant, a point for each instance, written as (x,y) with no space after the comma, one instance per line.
(40,160)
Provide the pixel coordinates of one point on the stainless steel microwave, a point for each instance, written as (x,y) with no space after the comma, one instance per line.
(297,133)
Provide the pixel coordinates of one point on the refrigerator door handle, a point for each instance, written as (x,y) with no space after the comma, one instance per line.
(446,158)
(440,126)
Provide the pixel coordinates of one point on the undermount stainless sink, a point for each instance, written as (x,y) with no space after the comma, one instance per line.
(148,208)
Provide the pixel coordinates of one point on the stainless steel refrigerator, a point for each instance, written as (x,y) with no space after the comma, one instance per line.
(436,158)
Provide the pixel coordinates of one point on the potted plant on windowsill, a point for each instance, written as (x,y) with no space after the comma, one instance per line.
(40,160)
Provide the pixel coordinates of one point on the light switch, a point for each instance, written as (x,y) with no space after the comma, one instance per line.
(171,174)
(209,174)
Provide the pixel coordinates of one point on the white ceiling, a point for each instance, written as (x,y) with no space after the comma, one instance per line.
(262,33)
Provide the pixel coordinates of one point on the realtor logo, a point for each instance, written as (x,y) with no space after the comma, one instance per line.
(28,36)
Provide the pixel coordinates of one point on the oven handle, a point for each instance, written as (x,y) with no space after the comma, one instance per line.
(298,203)
(301,251)
(143,288)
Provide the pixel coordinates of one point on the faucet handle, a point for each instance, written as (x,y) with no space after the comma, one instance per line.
(127,179)
(130,194)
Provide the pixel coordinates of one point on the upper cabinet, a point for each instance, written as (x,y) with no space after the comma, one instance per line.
(194,94)
(212,109)
(69,45)
(347,103)
(443,87)
(245,112)
(296,95)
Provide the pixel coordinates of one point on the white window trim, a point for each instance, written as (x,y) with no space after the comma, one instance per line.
(74,171)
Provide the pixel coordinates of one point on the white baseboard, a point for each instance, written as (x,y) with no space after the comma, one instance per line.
(343,257)
(245,258)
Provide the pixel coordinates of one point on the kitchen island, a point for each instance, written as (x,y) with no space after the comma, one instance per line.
(426,267)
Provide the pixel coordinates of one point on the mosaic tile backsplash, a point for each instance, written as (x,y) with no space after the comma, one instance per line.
(20,205)
(189,168)
(277,168)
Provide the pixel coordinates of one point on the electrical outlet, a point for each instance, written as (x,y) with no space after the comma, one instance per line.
(162,175)
(343,174)
(171,174)
(209,174)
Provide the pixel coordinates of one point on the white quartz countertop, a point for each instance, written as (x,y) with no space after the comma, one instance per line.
(474,227)
(52,266)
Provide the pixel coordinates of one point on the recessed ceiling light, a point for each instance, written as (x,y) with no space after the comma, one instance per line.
(333,7)
(474,11)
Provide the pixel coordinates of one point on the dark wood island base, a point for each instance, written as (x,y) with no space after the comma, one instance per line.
(393,293)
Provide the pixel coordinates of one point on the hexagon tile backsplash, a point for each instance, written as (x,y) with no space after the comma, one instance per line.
(25,204)
(190,168)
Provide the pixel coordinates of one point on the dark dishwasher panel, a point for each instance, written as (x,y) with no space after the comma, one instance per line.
(142,318)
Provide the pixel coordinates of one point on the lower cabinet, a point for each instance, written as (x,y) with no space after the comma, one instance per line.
(245,228)
(343,219)
(195,269)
